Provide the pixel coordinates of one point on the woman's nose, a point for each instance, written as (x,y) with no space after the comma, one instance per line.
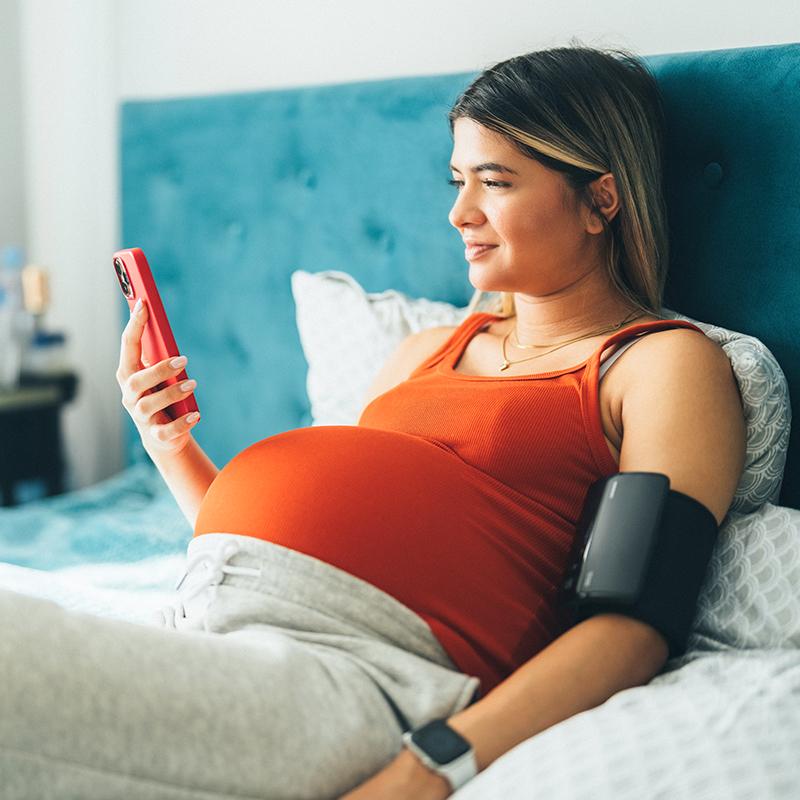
(465,211)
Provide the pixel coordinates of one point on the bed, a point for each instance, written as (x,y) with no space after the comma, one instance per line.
(281,223)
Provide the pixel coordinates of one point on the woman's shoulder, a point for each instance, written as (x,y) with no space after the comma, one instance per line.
(435,336)
(682,415)
(683,350)
(689,344)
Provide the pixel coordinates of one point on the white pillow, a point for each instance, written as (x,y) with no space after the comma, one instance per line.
(347,331)
(767,412)
(751,595)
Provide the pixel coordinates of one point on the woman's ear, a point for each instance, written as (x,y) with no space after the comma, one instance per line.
(603,191)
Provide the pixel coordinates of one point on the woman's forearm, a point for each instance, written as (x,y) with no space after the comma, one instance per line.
(583,668)
(188,475)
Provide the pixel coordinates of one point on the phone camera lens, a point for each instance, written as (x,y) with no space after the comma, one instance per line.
(122,276)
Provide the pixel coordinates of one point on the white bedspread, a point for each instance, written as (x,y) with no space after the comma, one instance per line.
(721,722)
(127,591)
(723,726)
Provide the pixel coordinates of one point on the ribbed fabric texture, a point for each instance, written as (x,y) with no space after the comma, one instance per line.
(456,494)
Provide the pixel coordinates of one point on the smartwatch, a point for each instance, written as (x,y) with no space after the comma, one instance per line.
(443,750)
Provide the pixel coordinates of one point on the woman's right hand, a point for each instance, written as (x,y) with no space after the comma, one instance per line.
(159,432)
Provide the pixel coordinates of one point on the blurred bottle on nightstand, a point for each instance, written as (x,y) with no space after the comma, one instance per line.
(45,352)
(45,360)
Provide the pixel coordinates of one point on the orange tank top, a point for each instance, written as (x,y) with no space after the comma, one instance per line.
(457,494)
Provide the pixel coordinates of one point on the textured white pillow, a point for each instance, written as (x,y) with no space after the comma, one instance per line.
(346,331)
(767,412)
(751,595)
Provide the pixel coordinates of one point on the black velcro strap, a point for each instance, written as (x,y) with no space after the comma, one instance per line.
(681,554)
(678,568)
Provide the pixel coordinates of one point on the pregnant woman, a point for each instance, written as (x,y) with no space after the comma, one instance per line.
(346,584)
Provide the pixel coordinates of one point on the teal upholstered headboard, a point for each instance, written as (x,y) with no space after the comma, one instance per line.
(228,195)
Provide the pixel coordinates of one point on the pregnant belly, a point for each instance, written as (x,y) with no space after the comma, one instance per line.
(327,490)
(412,518)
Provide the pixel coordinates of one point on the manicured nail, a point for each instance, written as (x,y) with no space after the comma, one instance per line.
(192,417)
(180,361)
(138,307)
(187,385)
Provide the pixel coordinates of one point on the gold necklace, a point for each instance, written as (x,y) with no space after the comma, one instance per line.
(506,363)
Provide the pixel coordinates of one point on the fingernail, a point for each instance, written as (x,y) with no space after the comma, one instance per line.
(178,362)
(192,417)
(138,307)
(186,385)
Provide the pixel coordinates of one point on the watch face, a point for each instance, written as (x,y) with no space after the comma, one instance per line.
(440,742)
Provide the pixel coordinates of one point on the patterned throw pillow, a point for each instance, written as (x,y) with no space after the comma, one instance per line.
(767,412)
(750,597)
(347,331)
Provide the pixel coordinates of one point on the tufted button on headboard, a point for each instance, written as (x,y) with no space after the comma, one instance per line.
(712,174)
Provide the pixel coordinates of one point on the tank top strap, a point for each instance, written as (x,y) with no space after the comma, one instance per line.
(456,343)
(643,328)
(590,383)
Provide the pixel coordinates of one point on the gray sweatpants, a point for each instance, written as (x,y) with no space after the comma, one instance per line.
(273,675)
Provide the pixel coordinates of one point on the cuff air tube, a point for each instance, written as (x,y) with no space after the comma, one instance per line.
(642,550)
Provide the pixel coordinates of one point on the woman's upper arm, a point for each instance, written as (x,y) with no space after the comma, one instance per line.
(682,416)
(407,356)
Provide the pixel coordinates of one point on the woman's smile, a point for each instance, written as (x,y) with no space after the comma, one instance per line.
(473,251)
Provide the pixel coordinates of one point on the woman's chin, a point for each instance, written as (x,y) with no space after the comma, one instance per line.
(484,285)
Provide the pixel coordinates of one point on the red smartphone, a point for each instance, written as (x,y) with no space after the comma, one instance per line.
(136,281)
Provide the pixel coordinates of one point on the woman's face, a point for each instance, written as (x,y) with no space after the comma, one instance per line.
(539,234)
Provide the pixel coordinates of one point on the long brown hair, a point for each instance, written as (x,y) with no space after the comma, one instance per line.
(583,112)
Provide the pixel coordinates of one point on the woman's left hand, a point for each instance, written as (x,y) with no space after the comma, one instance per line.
(401,779)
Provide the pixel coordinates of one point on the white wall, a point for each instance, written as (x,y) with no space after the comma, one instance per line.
(80,57)
(69,90)
(190,47)
(12,200)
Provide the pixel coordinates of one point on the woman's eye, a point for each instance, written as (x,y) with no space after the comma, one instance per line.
(487,182)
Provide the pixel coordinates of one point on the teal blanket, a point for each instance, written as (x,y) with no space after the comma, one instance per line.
(129,517)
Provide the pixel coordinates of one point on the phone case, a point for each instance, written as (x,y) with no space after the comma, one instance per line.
(136,280)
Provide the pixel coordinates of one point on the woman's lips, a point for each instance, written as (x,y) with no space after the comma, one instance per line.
(473,251)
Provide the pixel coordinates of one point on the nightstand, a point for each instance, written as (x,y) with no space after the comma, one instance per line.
(30,431)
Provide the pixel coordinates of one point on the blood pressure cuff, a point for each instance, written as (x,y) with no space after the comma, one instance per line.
(642,550)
